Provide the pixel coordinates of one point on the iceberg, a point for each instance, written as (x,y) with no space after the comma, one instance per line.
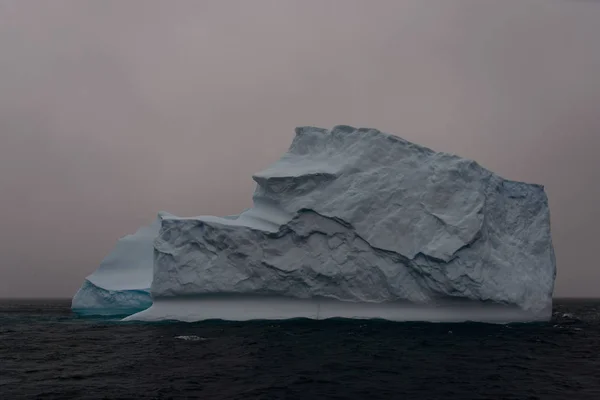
(351,223)
(121,284)
(358,223)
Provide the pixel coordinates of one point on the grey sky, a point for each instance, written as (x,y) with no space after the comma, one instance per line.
(113,110)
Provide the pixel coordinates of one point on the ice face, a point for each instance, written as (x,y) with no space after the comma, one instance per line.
(121,284)
(95,300)
(364,224)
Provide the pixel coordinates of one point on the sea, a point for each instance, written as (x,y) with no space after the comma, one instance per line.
(46,352)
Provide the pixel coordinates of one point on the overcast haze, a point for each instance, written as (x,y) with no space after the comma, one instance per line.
(113,110)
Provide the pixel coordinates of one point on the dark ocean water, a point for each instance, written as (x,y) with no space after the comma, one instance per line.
(48,353)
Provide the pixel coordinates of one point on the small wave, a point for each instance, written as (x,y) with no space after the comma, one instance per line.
(192,338)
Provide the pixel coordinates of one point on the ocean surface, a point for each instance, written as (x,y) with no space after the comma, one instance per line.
(48,353)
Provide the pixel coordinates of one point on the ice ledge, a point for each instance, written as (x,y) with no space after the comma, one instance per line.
(245,308)
(95,300)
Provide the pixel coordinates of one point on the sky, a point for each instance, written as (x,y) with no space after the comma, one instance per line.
(111,111)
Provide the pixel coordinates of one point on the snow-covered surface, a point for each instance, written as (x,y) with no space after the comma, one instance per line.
(372,226)
(121,284)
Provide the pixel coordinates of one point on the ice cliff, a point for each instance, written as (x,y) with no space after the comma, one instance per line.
(359,223)
(121,284)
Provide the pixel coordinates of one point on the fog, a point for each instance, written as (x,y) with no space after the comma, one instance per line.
(111,111)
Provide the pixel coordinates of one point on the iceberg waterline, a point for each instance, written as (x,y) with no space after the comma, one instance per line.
(363,224)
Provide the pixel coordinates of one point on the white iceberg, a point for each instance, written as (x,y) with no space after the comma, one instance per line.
(361,224)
